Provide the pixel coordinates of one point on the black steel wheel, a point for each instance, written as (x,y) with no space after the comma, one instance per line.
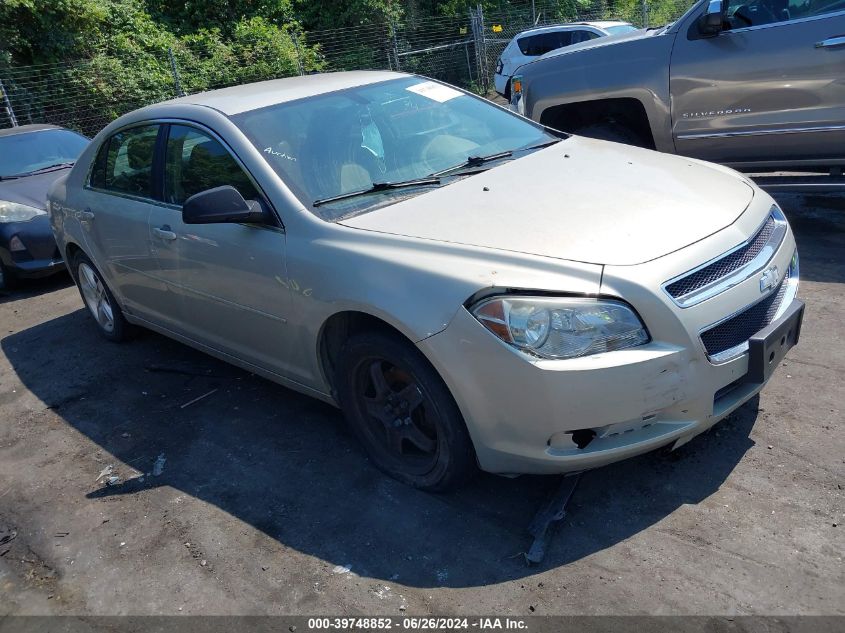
(403,413)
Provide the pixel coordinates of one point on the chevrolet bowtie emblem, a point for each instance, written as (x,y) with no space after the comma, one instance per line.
(769,278)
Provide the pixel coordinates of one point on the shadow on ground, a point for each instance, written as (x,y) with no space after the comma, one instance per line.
(819,225)
(29,288)
(286,465)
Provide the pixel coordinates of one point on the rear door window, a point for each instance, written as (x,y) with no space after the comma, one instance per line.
(125,162)
(542,43)
(197,162)
(583,36)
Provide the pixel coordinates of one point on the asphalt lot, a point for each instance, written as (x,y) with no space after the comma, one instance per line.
(257,500)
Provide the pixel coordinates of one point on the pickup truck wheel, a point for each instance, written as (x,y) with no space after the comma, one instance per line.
(99,300)
(402,412)
(611,131)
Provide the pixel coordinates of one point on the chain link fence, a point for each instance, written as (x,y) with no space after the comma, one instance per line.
(87,95)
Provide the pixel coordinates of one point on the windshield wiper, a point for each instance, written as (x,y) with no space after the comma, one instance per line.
(378,187)
(540,145)
(473,161)
(478,161)
(43,169)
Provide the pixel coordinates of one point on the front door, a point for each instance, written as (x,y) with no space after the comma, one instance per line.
(767,88)
(230,278)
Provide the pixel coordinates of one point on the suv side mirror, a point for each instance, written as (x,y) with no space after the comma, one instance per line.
(221,205)
(710,22)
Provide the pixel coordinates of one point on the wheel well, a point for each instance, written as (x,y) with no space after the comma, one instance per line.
(340,327)
(628,112)
(71,250)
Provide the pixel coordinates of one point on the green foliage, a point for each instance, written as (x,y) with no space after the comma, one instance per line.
(332,14)
(83,62)
(190,16)
(123,53)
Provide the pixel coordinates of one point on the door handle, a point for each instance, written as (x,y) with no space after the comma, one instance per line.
(830,42)
(86,215)
(164,233)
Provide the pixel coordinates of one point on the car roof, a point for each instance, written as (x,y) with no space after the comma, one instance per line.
(552,27)
(245,97)
(31,127)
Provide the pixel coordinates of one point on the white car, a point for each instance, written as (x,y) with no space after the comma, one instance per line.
(533,43)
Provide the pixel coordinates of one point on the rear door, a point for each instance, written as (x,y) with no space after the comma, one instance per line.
(230,279)
(766,89)
(116,203)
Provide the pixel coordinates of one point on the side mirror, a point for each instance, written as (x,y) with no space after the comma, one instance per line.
(219,206)
(710,22)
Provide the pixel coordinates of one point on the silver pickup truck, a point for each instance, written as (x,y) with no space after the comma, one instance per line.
(755,84)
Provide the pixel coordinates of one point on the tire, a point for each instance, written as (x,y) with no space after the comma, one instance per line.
(612,131)
(99,300)
(8,279)
(407,420)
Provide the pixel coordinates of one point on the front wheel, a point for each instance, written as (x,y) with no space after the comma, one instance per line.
(99,300)
(403,413)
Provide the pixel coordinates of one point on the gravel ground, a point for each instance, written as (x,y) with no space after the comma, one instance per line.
(256,500)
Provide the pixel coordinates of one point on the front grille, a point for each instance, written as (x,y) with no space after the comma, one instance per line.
(724,266)
(741,327)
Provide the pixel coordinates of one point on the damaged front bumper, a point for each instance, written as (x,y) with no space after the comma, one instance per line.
(524,416)
(530,415)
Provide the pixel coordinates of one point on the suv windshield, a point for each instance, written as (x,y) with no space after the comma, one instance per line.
(390,132)
(22,154)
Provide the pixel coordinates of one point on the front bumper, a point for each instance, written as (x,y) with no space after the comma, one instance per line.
(41,257)
(521,411)
(500,83)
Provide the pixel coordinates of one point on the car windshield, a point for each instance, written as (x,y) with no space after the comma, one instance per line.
(22,154)
(621,28)
(389,132)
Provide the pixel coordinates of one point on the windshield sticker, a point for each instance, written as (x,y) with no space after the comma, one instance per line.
(272,152)
(435,91)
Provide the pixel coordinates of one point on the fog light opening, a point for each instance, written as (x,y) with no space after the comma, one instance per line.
(15,245)
(582,437)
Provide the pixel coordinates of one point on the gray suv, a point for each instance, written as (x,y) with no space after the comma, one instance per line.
(754,84)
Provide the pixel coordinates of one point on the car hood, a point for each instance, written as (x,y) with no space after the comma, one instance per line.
(580,200)
(30,190)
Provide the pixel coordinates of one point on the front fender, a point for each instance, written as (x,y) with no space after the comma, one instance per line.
(630,68)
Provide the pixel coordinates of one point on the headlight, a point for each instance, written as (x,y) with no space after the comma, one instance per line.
(561,327)
(15,212)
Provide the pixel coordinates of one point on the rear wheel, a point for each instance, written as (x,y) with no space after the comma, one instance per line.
(99,300)
(403,413)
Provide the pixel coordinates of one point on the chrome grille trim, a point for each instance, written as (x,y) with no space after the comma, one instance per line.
(731,268)
(770,308)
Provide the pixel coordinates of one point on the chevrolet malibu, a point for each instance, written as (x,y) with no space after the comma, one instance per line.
(470,288)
